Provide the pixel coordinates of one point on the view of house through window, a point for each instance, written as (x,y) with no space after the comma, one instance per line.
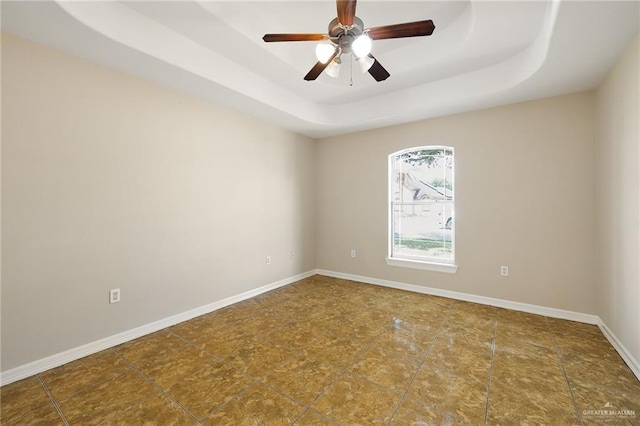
(422,204)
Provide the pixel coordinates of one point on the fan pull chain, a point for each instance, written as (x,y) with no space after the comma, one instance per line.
(351,70)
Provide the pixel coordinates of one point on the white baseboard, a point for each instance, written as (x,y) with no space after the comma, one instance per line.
(633,364)
(73,354)
(516,306)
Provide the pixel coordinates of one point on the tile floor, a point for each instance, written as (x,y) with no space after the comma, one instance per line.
(330,351)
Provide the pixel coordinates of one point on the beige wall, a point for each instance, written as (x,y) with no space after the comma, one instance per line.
(109,181)
(525,198)
(618,197)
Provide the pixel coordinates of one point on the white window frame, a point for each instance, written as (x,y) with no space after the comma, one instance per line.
(430,264)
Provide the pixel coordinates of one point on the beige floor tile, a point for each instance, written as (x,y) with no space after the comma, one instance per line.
(535,382)
(19,398)
(473,361)
(417,325)
(596,402)
(80,375)
(263,323)
(599,355)
(572,328)
(615,375)
(223,345)
(45,415)
(507,358)
(586,342)
(408,343)
(257,406)
(374,315)
(288,309)
(107,400)
(509,408)
(176,365)
(256,358)
(506,316)
(236,313)
(294,335)
(463,396)
(158,410)
(200,328)
(313,418)
(559,397)
(476,321)
(303,378)
(365,297)
(467,334)
(353,401)
(485,311)
(515,337)
(412,413)
(336,350)
(356,331)
(138,351)
(385,368)
(209,388)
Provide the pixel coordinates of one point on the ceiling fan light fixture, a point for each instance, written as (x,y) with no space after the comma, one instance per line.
(365,63)
(324,51)
(333,69)
(361,46)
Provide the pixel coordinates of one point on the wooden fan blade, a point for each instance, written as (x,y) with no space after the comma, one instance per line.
(293,37)
(346,11)
(377,71)
(410,29)
(319,67)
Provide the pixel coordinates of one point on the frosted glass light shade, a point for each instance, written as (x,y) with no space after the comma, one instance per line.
(361,46)
(365,62)
(333,69)
(324,51)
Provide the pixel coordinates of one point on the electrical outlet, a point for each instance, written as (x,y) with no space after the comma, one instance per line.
(114,295)
(292,255)
(353,253)
(268,260)
(504,271)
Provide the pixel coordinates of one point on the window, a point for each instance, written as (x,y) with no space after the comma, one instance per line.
(421,210)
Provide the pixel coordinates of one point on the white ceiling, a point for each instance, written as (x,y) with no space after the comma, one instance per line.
(481,54)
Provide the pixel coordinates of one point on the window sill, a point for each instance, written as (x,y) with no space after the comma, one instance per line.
(428,266)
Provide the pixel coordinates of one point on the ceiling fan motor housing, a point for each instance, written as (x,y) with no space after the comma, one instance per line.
(342,36)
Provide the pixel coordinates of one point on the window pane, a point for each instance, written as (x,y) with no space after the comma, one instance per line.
(448,178)
(423,230)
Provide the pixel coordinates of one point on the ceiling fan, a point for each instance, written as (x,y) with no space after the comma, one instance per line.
(347,35)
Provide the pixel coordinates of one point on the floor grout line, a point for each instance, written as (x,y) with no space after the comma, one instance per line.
(406,390)
(343,371)
(157,386)
(493,351)
(53,400)
(564,372)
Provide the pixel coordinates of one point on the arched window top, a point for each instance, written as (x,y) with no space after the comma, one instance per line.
(422,196)
(423,151)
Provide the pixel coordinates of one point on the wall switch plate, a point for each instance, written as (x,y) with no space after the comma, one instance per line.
(114,295)
(353,253)
(268,260)
(504,271)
